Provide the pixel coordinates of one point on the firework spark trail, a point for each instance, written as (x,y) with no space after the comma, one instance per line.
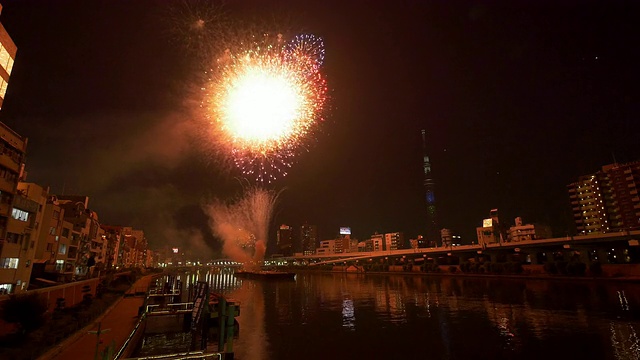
(266,97)
(243,226)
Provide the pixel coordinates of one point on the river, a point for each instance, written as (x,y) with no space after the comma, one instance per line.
(363,316)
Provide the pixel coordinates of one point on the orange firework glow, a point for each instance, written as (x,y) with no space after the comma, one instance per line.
(266,100)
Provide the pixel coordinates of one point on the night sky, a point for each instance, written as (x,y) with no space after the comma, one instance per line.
(518,99)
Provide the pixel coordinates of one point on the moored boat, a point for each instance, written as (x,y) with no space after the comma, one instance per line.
(265,274)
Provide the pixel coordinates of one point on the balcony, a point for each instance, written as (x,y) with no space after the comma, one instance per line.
(7,276)
(5,209)
(9,163)
(6,185)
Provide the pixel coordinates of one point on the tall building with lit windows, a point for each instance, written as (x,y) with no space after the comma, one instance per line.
(8,52)
(309,238)
(607,200)
(285,240)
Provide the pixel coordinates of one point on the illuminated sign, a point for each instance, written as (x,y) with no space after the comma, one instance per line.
(345,231)
(487,223)
(175,250)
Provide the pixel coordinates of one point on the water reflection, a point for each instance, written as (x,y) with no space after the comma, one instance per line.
(348,315)
(366,316)
(624,340)
(253,340)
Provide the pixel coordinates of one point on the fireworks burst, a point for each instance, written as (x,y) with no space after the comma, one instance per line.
(266,98)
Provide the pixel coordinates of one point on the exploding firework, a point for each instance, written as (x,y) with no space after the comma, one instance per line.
(265,98)
(308,47)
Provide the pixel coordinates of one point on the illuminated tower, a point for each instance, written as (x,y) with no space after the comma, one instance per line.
(433,233)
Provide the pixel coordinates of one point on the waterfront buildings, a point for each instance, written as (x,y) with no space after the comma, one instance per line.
(490,232)
(44,238)
(22,233)
(12,151)
(607,200)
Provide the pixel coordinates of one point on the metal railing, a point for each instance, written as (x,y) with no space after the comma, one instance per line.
(162,292)
(193,355)
(170,308)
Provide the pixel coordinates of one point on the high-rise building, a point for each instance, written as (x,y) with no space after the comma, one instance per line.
(607,200)
(433,232)
(285,240)
(309,239)
(12,150)
(8,52)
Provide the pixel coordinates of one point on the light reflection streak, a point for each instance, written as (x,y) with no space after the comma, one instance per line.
(625,342)
(348,315)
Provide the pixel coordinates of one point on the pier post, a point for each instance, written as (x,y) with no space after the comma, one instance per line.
(230,322)
(222,307)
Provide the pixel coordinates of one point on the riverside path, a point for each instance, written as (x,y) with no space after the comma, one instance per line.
(118,321)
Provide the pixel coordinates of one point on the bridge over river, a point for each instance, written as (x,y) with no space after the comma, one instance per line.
(615,247)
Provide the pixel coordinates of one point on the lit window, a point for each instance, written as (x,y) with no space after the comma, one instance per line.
(62,249)
(10,65)
(19,214)
(3,88)
(9,263)
(4,56)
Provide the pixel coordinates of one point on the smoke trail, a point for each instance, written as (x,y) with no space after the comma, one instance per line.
(243,225)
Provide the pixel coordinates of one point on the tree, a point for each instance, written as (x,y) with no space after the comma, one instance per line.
(25,310)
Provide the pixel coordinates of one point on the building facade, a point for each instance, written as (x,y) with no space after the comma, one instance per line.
(8,52)
(309,239)
(284,240)
(12,152)
(522,232)
(607,200)
(394,241)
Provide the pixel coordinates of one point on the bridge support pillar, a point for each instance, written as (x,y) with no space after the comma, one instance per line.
(603,255)
(583,255)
